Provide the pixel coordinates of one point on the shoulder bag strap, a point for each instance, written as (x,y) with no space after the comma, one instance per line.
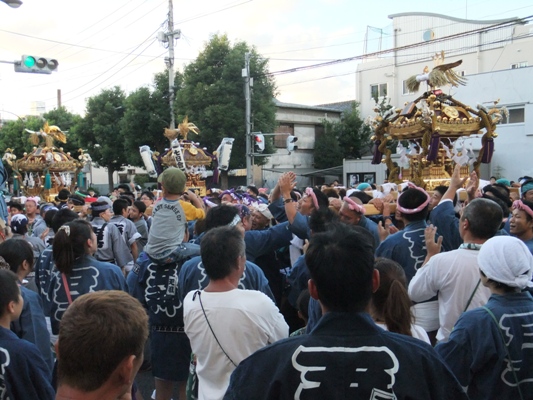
(67,289)
(198,292)
(472,295)
(507,349)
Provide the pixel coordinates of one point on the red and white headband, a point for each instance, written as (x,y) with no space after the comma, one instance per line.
(417,209)
(519,205)
(352,205)
(309,192)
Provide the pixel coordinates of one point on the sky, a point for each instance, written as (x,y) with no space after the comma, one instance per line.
(103,43)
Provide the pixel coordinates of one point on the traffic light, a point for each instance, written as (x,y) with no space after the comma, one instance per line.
(259,141)
(290,143)
(36,65)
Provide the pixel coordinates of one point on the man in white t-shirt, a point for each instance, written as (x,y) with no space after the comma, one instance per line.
(226,324)
(454,275)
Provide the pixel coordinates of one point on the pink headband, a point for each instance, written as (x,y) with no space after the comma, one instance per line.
(521,206)
(309,192)
(420,207)
(34,199)
(352,205)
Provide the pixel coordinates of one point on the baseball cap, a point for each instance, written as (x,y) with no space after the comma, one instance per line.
(173,180)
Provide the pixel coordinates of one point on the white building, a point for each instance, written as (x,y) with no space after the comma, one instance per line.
(37,108)
(306,123)
(496,57)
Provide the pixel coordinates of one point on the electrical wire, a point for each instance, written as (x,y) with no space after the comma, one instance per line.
(410,46)
(109,77)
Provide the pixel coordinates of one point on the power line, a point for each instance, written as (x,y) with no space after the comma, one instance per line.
(362,41)
(406,47)
(112,75)
(422,58)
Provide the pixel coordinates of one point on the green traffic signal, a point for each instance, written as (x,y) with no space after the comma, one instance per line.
(36,64)
(29,61)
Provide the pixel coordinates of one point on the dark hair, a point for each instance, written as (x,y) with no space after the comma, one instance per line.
(253,189)
(128,197)
(321,198)
(321,218)
(342,193)
(365,198)
(62,217)
(498,191)
(70,243)
(413,198)
(49,216)
(330,192)
(119,205)
(499,285)
(341,264)
(220,216)
(139,205)
(15,252)
(199,226)
(220,247)
(14,204)
(125,187)
(442,189)
(111,321)
(484,218)
(296,195)
(391,301)
(302,303)
(148,194)
(9,289)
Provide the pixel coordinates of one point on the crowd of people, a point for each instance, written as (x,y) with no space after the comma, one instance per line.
(369,292)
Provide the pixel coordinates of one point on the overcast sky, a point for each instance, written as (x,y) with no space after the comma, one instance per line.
(103,43)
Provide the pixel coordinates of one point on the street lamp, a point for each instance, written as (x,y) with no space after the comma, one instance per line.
(12,3)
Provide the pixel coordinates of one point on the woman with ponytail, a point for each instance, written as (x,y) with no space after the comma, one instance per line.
(390,306)
(77,271)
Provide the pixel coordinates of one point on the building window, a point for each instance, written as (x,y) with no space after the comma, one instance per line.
(522,64)
(405,90)
(284,130)
(516,116)
(378,90)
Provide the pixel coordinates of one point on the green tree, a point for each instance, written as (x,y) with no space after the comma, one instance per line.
(13,134)
(147,114)
(100,132)
(354,134)
(212,96)
(327,152)
(347,138)
(65,120)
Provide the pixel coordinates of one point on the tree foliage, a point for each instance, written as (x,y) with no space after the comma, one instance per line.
(66,121)
(348,138)
(212,96)
(147,113)
(99,131)
(327,150)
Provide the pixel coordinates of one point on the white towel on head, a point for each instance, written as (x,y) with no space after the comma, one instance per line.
(388,187)
(507,260)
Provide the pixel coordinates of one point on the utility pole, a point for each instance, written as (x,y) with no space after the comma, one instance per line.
(247,120)
(170,36)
